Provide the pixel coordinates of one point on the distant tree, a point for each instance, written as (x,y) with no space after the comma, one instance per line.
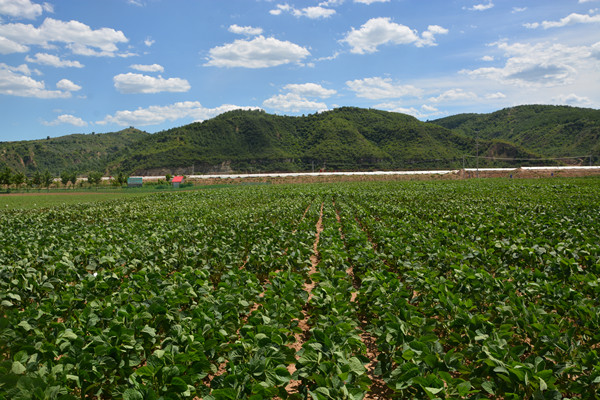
(169,177)
(18,179)
(73,178)
(6,177)
(47,179)
(65,177)
(36,179)
(121,178)
(94,178)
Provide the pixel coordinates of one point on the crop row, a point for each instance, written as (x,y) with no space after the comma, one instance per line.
(349,291)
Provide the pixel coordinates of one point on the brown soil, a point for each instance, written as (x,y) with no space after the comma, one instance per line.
(301,338)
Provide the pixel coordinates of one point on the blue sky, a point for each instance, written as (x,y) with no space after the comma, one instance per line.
(81,66)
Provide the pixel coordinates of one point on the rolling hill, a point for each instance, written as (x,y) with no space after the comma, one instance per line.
(346,138)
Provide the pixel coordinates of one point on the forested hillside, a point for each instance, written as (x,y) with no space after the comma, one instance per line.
(346,138)
(553,131)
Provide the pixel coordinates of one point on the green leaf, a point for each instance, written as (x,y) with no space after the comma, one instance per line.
(356,366)
(463,388)
(543,385)
(68,334)
(149,331)
(487,386)
(132,394)
(25,325)
(18,368)
(434,390)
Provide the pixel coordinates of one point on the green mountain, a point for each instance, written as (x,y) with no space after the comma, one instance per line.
(77,152)
(552,131)
(346,138)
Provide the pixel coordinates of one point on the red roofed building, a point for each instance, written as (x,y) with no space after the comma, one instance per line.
(176,181)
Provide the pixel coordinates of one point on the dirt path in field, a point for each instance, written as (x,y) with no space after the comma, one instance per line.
(378,389)
(301,338)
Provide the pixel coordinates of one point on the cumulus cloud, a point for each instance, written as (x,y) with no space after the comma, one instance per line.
(315,12)
(66,119)
(293,102)
(481,7)
(425,111)
(259,52)
(495,96)
(20,9)
(79,37)
(147,68)
(8,46)
(149,42)
(379,31)
(487,58)
(15,81)
(518,9)
(541,64)
(573,100)
(53,61)
(570,19)
(453,95)
(310,90)
(154,115)
(67,85)
(130,83)
(381,88)
(245,30)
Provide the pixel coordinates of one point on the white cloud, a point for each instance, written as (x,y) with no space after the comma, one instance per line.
(495,96)
(425,111)
(381,88)
(14,81)
(371,1)
(149,42)
(147,68)
(245,30)
(310,90)
(138,3)
(66,119)
(67,85)
(20,9)
(259,52)
(453,95)
(481,7)
(541,64)
(293,102)
(49,8)
(570,19)
(280,9)
(378,31)
(315,12)
(518,9)
(53,61)
(586,1)
(77,36)
(8,46)
(573,99)
(154,115)
(130,83)
(487,58)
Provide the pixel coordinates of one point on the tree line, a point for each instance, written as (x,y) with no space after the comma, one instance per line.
(45,179)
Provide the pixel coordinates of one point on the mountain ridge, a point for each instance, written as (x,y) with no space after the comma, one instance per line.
(346,138)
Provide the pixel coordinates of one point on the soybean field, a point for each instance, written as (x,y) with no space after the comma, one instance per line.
(477,289)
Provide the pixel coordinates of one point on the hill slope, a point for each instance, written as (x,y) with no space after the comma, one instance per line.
(346,138)
(552,131)
(77,152)
(342,139)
